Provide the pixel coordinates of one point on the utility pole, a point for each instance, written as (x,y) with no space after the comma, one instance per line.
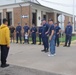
(73,14)
(15,1)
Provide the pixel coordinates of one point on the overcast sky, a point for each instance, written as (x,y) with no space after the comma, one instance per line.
(61,5)
(68,2)
(2,2)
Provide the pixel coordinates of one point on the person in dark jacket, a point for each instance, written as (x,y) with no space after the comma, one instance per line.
(18,33)
(45,32)
(33,34)
(68,34)
(57,32)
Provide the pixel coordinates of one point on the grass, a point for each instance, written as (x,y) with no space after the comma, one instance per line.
(62,39)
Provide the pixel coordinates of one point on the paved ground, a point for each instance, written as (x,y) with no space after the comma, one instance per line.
(16,70)
(27,57)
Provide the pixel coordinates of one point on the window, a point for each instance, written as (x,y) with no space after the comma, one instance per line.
(0,18)
(34,17)
(9,17)
(44,16)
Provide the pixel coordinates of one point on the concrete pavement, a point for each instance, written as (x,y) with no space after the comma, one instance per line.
(31,57)
(16,70)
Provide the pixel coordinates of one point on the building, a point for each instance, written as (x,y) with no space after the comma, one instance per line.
(30,12)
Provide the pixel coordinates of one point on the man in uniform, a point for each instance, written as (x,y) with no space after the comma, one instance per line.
(51,38)
(33,34)
(68,34)
(40,34)
(57,32)
(45,33)
(26,30)
(4,42)
(18,33)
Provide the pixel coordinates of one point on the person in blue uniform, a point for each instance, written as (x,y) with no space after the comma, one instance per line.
(68,34)
(51,38)
(26,29)
(45,33)
(33,34)
(18,33)
(40,34)
(57,32)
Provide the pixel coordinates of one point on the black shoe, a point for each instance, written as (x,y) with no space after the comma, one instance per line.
(16,42)
(68,46)
(34,43)
(65,46)
(39,44)
(46,51)
(3,66)
(57,45)
(43,50)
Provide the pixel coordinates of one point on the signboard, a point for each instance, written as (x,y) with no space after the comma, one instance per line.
(24,16)
(61,18)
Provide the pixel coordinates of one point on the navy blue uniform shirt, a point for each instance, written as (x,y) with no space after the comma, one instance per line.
(57,28)
(18,29)
(45,29)
(33,30)
(26,28)
(40,30)
(68,30)
(51,28)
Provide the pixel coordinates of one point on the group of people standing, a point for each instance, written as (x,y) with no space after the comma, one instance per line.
(47,33)
(51,32)
(26,33)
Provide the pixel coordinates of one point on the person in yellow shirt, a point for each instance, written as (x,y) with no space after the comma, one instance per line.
(4,42)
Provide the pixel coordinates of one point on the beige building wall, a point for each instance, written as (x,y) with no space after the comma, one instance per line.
(19,12)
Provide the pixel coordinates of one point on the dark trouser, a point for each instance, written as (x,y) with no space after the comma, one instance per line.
(34,38)
(68,40)
(40,38)
(12,37)
(18,35)
(4,54)
(45,42)
(57,40)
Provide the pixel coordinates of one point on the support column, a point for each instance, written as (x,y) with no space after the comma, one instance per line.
(55,17)
(1,11)
(4,13)
(38,17)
